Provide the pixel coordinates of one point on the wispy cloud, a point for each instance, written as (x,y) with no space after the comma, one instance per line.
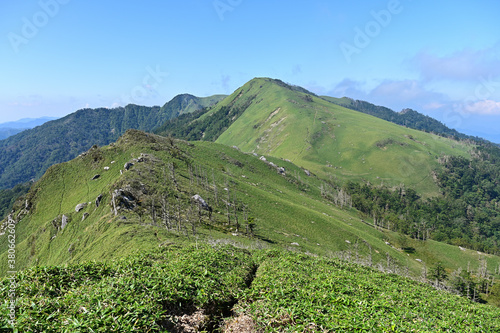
(486,107)
(466,65)
(396,94)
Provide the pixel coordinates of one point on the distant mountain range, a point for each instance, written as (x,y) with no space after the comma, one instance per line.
(13,127)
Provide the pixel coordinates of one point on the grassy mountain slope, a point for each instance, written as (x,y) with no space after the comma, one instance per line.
(149,205)
(329,139)
(28,154)
(213,289)
(155,199)
(409,118)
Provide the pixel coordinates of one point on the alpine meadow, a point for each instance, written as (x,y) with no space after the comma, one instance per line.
(272,209)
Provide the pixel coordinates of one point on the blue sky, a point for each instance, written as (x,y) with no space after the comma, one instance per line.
(441,58)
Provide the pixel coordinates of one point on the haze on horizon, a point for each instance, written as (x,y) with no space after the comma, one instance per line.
(440,58)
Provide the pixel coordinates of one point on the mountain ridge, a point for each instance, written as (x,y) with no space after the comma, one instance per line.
(28,154)
(406,117)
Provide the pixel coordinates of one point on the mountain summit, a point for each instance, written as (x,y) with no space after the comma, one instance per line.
(268,116)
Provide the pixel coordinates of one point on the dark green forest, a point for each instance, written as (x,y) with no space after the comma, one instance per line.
(467,214)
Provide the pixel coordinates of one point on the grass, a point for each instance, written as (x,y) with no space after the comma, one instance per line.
(288,210)
(77,279)
(206,288)
(293,292)
(140,293)
(331,140)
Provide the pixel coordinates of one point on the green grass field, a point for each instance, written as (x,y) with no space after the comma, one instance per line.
(331,140)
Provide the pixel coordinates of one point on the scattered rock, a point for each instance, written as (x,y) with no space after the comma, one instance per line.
(85,215)
(128,165)
(236,147)
(81,206)
(143,157)
(255,154)
(272,164)
(461,248)
(295,244)
(123,199)
(307,172)
(112,162)
(51,238)
(281,171)
(98,200)
(96,177)
(203,204)
(64,221)
(262,158)
(106,168)
(347,241)
(419,260)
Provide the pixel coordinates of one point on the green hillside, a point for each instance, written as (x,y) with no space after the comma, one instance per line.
(139,194)
(375,163)
(141,207)
(28,154)
(407,117)
(331,140)
(181,288)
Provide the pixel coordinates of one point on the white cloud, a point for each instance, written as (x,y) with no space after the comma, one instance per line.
(486,107)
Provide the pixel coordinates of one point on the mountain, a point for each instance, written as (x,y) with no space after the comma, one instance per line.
(6,132)
(402,178)
(26,123)
(132,194)
(168,206)
(13,127)
(269,117)
(407,117)
(156,233)
(28,154)
(186,103)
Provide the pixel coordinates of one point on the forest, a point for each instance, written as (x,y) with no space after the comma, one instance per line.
(467,214)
